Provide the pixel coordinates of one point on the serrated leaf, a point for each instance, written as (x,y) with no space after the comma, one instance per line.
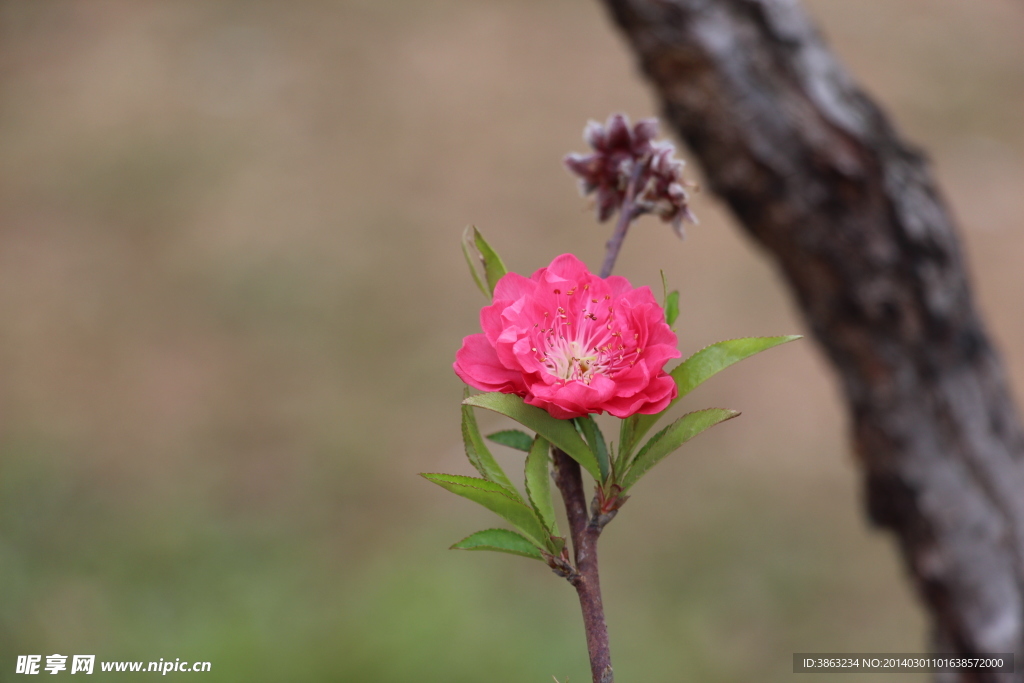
(500,540)
(595,439)
(672,307)
(538,483)
(478,453)
(672,437)
(717,357)
(494,268)
(479,253)
(561,433)
(467,243)
(513,438)
(499,500)
(626,428)
(669,301)
(695,370)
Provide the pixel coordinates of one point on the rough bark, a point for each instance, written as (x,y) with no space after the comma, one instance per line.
(814,171)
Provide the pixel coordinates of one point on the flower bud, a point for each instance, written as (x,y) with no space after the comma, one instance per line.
(623,155)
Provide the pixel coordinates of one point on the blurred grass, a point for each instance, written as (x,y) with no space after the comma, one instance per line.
(231,292)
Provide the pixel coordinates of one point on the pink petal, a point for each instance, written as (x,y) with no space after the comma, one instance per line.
(476,364)
(513,286)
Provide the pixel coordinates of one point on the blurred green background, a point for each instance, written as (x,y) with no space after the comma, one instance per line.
(231,291)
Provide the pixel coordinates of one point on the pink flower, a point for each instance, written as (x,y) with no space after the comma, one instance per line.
(572,343)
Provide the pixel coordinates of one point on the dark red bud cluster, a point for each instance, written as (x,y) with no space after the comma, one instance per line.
(623,155)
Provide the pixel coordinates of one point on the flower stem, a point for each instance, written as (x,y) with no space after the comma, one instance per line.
(584,530)
(627,213)
(584,534)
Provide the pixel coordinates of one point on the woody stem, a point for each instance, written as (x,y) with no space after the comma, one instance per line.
(584,533)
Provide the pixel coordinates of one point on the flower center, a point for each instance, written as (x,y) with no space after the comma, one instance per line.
(571,359)
(582,339)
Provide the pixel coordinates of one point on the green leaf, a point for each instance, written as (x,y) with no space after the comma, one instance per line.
(671,438)
(672,307)
(476,249)
(467,241)
(561,433)
(670,301)
(478,453)
(696,369)
(538,483)
(595,439)
(712,359)
(627,426)
(500,540)
(493,266)
(499,500)
(513,438)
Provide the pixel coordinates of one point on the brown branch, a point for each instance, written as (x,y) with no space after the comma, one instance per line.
(814,171)
(627,214)
(586,580)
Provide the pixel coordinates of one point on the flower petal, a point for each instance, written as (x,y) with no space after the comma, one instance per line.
(476,364)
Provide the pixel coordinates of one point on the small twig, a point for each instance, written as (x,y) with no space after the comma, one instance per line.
(605,506)
(561,565)
(627,213)
(584,529)
(586,580)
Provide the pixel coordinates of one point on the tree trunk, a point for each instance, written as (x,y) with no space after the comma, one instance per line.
(816,174)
